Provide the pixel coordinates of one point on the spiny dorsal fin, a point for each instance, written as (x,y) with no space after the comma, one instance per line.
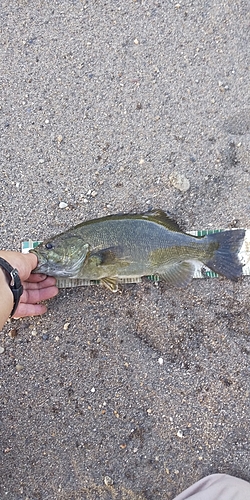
(160,217)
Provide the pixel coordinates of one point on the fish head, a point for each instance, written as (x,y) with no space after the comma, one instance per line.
(61,256)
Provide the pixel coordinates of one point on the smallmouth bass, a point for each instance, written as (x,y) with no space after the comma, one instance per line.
(115,247)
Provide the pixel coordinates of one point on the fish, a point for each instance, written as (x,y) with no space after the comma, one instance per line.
(117,247)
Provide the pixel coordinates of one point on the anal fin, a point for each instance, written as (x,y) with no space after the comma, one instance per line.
(179,274)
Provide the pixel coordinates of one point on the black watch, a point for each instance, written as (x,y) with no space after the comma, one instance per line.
(13,281)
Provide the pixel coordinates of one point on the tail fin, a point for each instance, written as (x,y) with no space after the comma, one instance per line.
(225,260)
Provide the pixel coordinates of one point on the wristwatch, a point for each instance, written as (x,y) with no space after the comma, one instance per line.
(14,282)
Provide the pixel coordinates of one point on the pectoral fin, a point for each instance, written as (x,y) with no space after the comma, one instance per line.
(178,274)
(110,283)
(109,257)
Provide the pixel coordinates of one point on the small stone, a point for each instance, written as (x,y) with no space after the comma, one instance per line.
(136,42)
(149,411)
(1,350)
(180,433)
(160,361)
(45,336)
(66,326)
(13,333)
(62,204)
(60,138)
(94,194)
(46,121)
(108,481)
(92,390)
(19,368)
(179,181)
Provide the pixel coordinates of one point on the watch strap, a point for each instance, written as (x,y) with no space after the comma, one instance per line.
(14,282)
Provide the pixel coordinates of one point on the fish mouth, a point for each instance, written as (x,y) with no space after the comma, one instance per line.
(42,265)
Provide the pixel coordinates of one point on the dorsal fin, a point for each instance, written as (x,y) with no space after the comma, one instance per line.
(160,217)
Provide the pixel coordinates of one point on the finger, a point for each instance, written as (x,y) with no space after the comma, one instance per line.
(29,310)
(39,283)
(35,278)
(32,260)
(32,296)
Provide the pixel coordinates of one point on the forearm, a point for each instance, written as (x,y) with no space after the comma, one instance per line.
(6,299)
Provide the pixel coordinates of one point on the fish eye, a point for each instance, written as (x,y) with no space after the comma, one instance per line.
(48,246)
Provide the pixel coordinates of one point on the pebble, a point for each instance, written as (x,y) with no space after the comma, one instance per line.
(60,138)
(13,333)
(45,336)
(19,368)
(180,433)
(66,326)
(92,390)
(62,204)
(179,181)
(1,350)
(136,42)
(160,361)
(108,481)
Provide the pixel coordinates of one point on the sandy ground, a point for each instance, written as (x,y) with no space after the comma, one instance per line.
(101,102)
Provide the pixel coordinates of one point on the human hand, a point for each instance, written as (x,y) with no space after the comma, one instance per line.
(36,287)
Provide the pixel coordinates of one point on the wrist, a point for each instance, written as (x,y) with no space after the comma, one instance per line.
(6,298)
(13,281)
